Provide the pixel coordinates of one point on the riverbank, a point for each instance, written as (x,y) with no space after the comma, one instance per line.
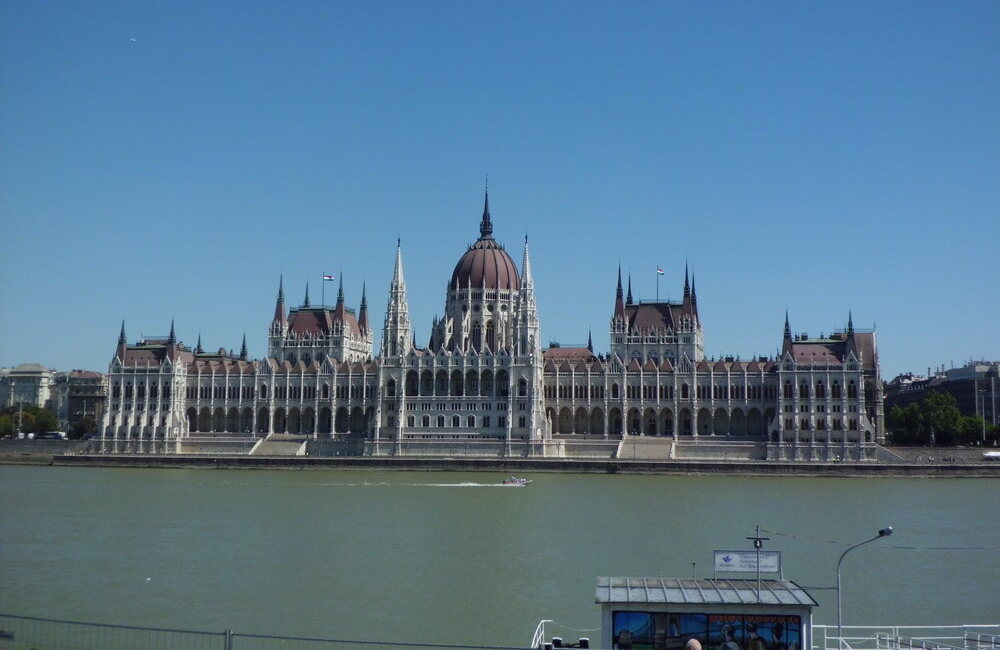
(529,465)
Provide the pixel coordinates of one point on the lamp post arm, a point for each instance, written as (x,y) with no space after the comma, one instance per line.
(840,632)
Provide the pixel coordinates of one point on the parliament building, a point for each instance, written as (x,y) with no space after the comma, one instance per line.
(484,385)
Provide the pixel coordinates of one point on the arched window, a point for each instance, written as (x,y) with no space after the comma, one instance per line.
(614,391)
(788,389)
(835,390)
(852,390)
(440,421)
(477,336)
(522,388)
(804,390)
(390,388)
(263,391)
(491,336)
(456,421)
(425,421)
(410,420)
(685,391)
(471,422)
(820,389)
(326,391)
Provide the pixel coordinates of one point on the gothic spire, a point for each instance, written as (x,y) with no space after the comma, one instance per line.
(397,335)
(306,303)
(788,328)
(628,298)
(172,338)
(694,292)
(486,225)
(121,335)
(687,285)
(363,312)
(590,341)
(340,291)
(279,304)
(619,299)
(197,347)
(527,279)
(243,348)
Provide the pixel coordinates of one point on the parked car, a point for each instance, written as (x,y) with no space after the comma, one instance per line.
(50,435)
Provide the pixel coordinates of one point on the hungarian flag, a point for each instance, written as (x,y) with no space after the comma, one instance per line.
(659,270)
(327,278)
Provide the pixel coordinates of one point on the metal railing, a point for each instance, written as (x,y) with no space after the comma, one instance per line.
(36,633)
(907,637)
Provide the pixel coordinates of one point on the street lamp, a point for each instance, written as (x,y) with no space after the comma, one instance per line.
(885,532)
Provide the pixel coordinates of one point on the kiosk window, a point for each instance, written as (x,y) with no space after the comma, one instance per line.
(667,631)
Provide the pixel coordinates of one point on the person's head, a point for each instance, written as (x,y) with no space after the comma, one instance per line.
(692,644)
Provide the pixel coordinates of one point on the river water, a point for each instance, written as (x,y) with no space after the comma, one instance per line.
(455,558)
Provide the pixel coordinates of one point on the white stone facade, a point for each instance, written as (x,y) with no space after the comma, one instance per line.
(484,379)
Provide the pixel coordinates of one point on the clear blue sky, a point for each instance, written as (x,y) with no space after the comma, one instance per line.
(815,156)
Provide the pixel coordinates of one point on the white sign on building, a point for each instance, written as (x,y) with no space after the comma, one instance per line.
(746,561)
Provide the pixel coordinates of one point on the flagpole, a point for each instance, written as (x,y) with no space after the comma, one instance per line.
(323,291)
(657,285)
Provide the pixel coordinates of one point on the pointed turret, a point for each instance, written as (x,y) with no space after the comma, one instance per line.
(243,348)
(694,296)
(486,225)
(171,338)
(122,343)
(852,344)
(786,340)
(340,292)
(363,312)
(590,341)
(619,298)
(305,303)
(527,335)
(396,335)
(197,348)
(687,285)
(628,298)
(279,305)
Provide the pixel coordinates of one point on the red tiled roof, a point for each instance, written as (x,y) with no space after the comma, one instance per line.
(653,316)
(568,354)
(319,321)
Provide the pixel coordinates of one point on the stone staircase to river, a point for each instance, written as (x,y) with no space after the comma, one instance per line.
(281,444)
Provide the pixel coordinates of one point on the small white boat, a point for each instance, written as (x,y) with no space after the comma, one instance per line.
(515,480)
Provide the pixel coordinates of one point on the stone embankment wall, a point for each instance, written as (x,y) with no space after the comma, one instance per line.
(38,452)
(529,465)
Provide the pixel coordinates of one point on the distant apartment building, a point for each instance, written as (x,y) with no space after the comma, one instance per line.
(27,384)
(975,387)
(80,394)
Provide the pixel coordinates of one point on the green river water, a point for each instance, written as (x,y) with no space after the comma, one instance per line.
(455,558)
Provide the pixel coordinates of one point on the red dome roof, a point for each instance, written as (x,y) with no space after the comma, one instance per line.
(486,264)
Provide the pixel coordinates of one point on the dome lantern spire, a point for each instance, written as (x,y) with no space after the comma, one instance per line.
(486,225)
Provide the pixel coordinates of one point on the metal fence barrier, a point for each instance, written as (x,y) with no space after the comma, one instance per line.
(35,633)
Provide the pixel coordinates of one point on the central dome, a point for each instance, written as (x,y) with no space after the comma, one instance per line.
(486,263)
